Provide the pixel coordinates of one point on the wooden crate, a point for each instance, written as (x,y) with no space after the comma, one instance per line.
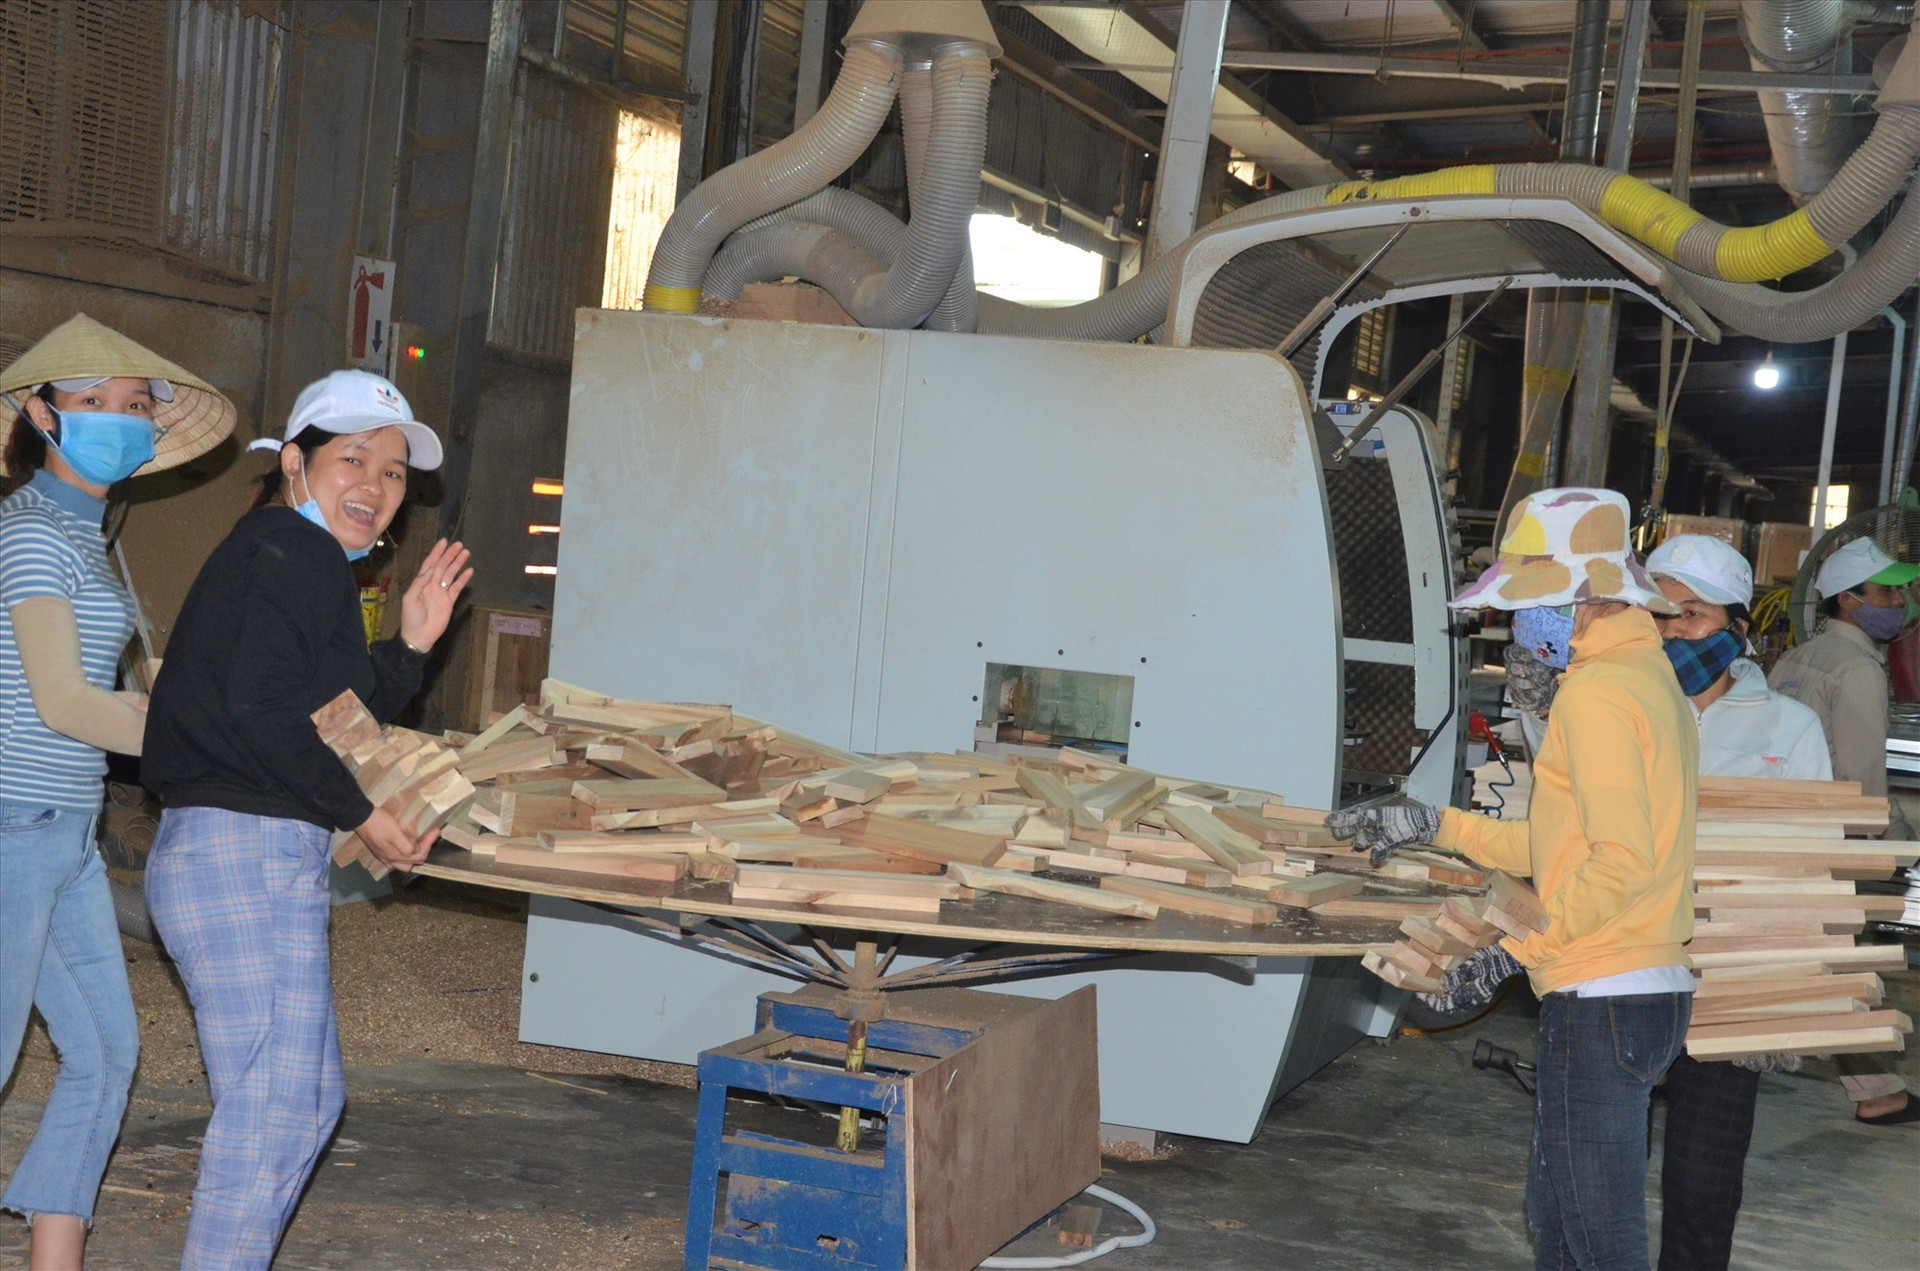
(506,660)
(1781,544)
(1725,528)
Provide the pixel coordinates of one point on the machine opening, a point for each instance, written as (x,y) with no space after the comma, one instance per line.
(1047,706)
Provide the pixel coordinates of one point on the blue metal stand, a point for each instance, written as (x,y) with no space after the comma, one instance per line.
(791,1204)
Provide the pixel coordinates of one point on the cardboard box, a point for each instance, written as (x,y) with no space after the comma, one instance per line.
(1725,528)
(1780,547)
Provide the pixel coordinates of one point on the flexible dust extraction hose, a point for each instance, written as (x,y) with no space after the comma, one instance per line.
(958,310)
(883,274)
(824,147)
(1884,271)
(1810,133)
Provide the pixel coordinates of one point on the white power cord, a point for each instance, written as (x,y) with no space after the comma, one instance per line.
(1100,1250)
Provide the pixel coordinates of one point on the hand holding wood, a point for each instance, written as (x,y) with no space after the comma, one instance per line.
(427,606)
(387,840)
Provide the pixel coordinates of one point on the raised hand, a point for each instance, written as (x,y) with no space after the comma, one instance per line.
(427,606)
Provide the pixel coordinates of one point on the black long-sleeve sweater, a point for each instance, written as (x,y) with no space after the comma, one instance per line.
(270,632)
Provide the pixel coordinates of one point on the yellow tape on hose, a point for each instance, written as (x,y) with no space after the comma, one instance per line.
(670,299)
(1652,216)
(1770,251)
(1473,179)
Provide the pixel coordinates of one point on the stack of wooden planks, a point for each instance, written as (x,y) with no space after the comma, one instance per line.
(1434,946)
(664,793)
(1776,914)
(413,776)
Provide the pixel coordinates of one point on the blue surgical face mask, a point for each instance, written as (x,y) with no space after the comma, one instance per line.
(311,510)
(1547,631)
(102,447)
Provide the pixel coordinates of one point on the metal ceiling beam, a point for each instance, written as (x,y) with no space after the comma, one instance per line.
(1023,61)
(1187,135)
(1241,118)
(1461,23)
(1520,74)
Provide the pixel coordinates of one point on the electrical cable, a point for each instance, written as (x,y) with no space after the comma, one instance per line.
(1100,1250)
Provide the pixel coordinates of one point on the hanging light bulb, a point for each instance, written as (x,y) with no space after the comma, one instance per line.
(1766,376)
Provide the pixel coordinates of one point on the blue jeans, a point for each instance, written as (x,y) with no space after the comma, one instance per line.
(1600,1058)
(60,951)
(242,904)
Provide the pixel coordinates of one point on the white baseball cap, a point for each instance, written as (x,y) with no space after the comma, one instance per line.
(348,402)
(1861,561)
(1708,567)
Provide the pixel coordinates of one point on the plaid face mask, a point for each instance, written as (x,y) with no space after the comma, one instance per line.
(1698,663)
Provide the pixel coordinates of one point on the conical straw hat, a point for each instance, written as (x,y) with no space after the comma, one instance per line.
(197,419)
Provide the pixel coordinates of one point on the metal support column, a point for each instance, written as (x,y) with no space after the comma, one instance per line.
(1590,424)
(380,163)
(1188,130)
(703,24)
(481,252)
(1834,376)
(811,79)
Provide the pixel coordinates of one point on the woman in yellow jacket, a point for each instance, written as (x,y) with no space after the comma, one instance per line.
(1609,846)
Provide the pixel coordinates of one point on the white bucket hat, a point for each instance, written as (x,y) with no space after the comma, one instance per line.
(1565,546)
(348,402)
(1706,566)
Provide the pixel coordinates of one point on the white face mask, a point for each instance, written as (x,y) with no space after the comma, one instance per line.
(310,509)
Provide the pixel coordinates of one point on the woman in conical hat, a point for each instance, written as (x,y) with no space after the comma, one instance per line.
(81,411)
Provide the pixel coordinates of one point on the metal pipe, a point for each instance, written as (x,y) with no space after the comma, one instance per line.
(1580,133)
(1810,134)
(1909,412)
(1731,175)
(1626,98)
(1827,431)
(1887,448)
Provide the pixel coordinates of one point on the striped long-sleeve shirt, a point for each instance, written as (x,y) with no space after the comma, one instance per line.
(51,545)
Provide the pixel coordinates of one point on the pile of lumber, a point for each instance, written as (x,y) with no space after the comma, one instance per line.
(415,777)
(666,793)
(1434,946)
(1776,913)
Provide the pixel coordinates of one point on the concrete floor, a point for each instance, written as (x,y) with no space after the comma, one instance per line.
(1393,1156)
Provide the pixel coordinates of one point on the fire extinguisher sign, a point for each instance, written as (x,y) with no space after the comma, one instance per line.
(370,314)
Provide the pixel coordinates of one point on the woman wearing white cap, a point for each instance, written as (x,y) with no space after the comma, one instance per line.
(1746,730)
(82,410)
(237,880)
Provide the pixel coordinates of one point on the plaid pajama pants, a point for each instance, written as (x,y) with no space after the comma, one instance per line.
(242,904)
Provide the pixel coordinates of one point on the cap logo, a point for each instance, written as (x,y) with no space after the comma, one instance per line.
(386,397)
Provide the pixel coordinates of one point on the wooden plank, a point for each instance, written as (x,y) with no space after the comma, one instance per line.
(1516,900)
(665,869)
(899,837)
(856,785)
(841,900)
(1862,957)
(1121,799)
(1082,824)
(1808,1023)
(592,842)
(1233,851)
(1195,872)
(938,886)
(646,793)
(1399,976)
(1384,908)
(1009,883)
(1304,893)
(686,814)
(1188,900)
(1839,1041)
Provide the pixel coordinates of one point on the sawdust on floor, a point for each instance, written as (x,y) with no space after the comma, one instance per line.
(432,971)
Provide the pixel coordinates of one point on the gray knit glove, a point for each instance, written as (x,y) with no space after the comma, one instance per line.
(1531,683)
(1474,982)
(1773,1061)
(1382,827)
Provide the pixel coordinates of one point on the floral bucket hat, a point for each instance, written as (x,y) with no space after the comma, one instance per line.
(1565,546)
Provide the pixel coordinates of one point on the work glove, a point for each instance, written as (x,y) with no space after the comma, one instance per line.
(1531,683)
(1383,827)
(1772,1061)
(1474,982)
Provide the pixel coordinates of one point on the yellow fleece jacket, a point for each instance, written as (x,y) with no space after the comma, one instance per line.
(1609,837)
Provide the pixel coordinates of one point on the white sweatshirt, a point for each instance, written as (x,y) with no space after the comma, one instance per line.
(1752,731)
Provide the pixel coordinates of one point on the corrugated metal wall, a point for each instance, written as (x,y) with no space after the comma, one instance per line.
(1044,144)
(223,132)
(554,236)
(142,122)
